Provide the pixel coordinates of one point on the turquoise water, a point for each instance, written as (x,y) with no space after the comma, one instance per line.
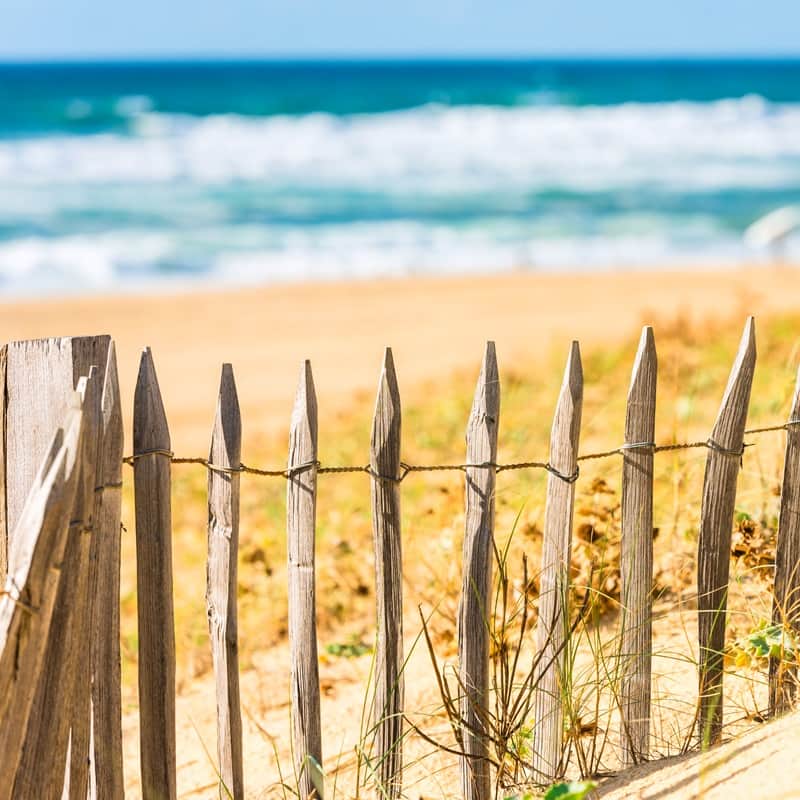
(124,175)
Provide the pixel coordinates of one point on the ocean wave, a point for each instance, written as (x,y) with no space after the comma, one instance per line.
(681,145)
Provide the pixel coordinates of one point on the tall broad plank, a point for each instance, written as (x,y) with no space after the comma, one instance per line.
(786,602)
(221,584)
(64,685)
(301,510)
(474,610)
(636,558)
(107,779)
(553,624)
(152,481)
(714,541)
(26,607)
(385,469)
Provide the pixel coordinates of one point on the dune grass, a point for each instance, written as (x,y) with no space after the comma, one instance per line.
(694,361)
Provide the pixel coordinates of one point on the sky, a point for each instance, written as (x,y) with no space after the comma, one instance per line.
(77,29)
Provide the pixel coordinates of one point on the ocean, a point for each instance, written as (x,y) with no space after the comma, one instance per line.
(122,176)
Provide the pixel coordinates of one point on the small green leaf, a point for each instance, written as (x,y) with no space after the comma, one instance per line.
(570,791)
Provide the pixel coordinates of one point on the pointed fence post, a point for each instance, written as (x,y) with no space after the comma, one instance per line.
(474,611)
(63,691)
(553,625)
(106,779)
(725,447)
(31,586)
(636,561)
(301,503)
(786,602)
(385,468)
(221,588)
(151,475)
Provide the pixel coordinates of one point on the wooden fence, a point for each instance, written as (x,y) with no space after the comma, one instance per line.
(62,456)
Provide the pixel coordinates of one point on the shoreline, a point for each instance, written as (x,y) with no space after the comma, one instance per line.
(436,325)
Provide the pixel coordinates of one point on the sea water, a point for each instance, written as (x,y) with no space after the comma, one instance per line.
(117,176)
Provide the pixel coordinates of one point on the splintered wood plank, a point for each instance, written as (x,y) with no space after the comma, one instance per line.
(786,603)
(474,611)
(636,559)
(714,541)
(301,506)
(385,467)
(152,479)
(552,629)
(223,549)
(26,609)
(63,686)
(107,780)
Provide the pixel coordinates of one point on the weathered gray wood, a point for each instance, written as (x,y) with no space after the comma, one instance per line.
(716,524)
(31,586)
(3,521)
(63,688)
(786,602)
(301,504)
(389,684)
(41,376)
(553,624)
(152,480)
(107,780)
(474,611)
(636,559)
(223,548)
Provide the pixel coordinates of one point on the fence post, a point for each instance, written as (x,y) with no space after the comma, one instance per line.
(636,561)
(553,625)
(786,602)
(106,778)
(221,587)
(714,541)
(385,467)
(151,475)
(474,612)
(4,535)
(31,586)
(44,766)
(301,502)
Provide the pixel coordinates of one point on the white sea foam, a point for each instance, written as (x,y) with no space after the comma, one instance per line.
(685,146)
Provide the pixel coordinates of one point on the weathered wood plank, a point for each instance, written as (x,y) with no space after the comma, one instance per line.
(221,601)
(786,601)
(474,610)
(553,624)
(3,488)
(301,504)
(107,780)
(152,481)
(389,684)
(714,541)
(28,601)
(636,558)
(41,771)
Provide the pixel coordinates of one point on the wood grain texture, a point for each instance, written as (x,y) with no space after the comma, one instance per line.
(636,558)
(63,686)
(474,611)
(26,608)
(553,623)
(786,603)
(301,508)
(106,779)
(152,480)
(714,542)
(3,487)
(221,583)
(385,465)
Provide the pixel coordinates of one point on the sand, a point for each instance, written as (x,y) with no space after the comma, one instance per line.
(435,326)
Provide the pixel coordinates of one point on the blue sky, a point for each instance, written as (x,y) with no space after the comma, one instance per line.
(275,28)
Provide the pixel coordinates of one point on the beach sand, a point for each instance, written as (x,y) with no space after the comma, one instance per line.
(434,325)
